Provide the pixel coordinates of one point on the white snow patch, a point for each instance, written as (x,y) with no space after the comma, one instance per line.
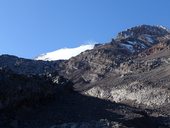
(149,38)
(64,53)
(143,45)
(129,47)
(132,43)
(163,27)
(135,43)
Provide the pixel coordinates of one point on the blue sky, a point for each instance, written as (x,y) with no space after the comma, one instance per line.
(31,27)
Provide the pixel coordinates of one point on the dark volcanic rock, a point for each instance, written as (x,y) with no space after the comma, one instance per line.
(19,90)
(27,66)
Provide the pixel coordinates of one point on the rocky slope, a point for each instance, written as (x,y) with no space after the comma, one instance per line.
(144,80)
(26,66)
(19,90)
(93,65)
(123,83)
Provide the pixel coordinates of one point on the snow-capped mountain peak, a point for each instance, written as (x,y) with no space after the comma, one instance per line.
(64,53)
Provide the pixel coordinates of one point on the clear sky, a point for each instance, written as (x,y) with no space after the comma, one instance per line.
(31,27)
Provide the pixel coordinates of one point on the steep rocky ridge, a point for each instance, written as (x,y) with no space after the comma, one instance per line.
(93,65)
(143,78)
(27,66)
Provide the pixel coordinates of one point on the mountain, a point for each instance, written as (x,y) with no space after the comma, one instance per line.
(122,83)
(65,53)
(95,64)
